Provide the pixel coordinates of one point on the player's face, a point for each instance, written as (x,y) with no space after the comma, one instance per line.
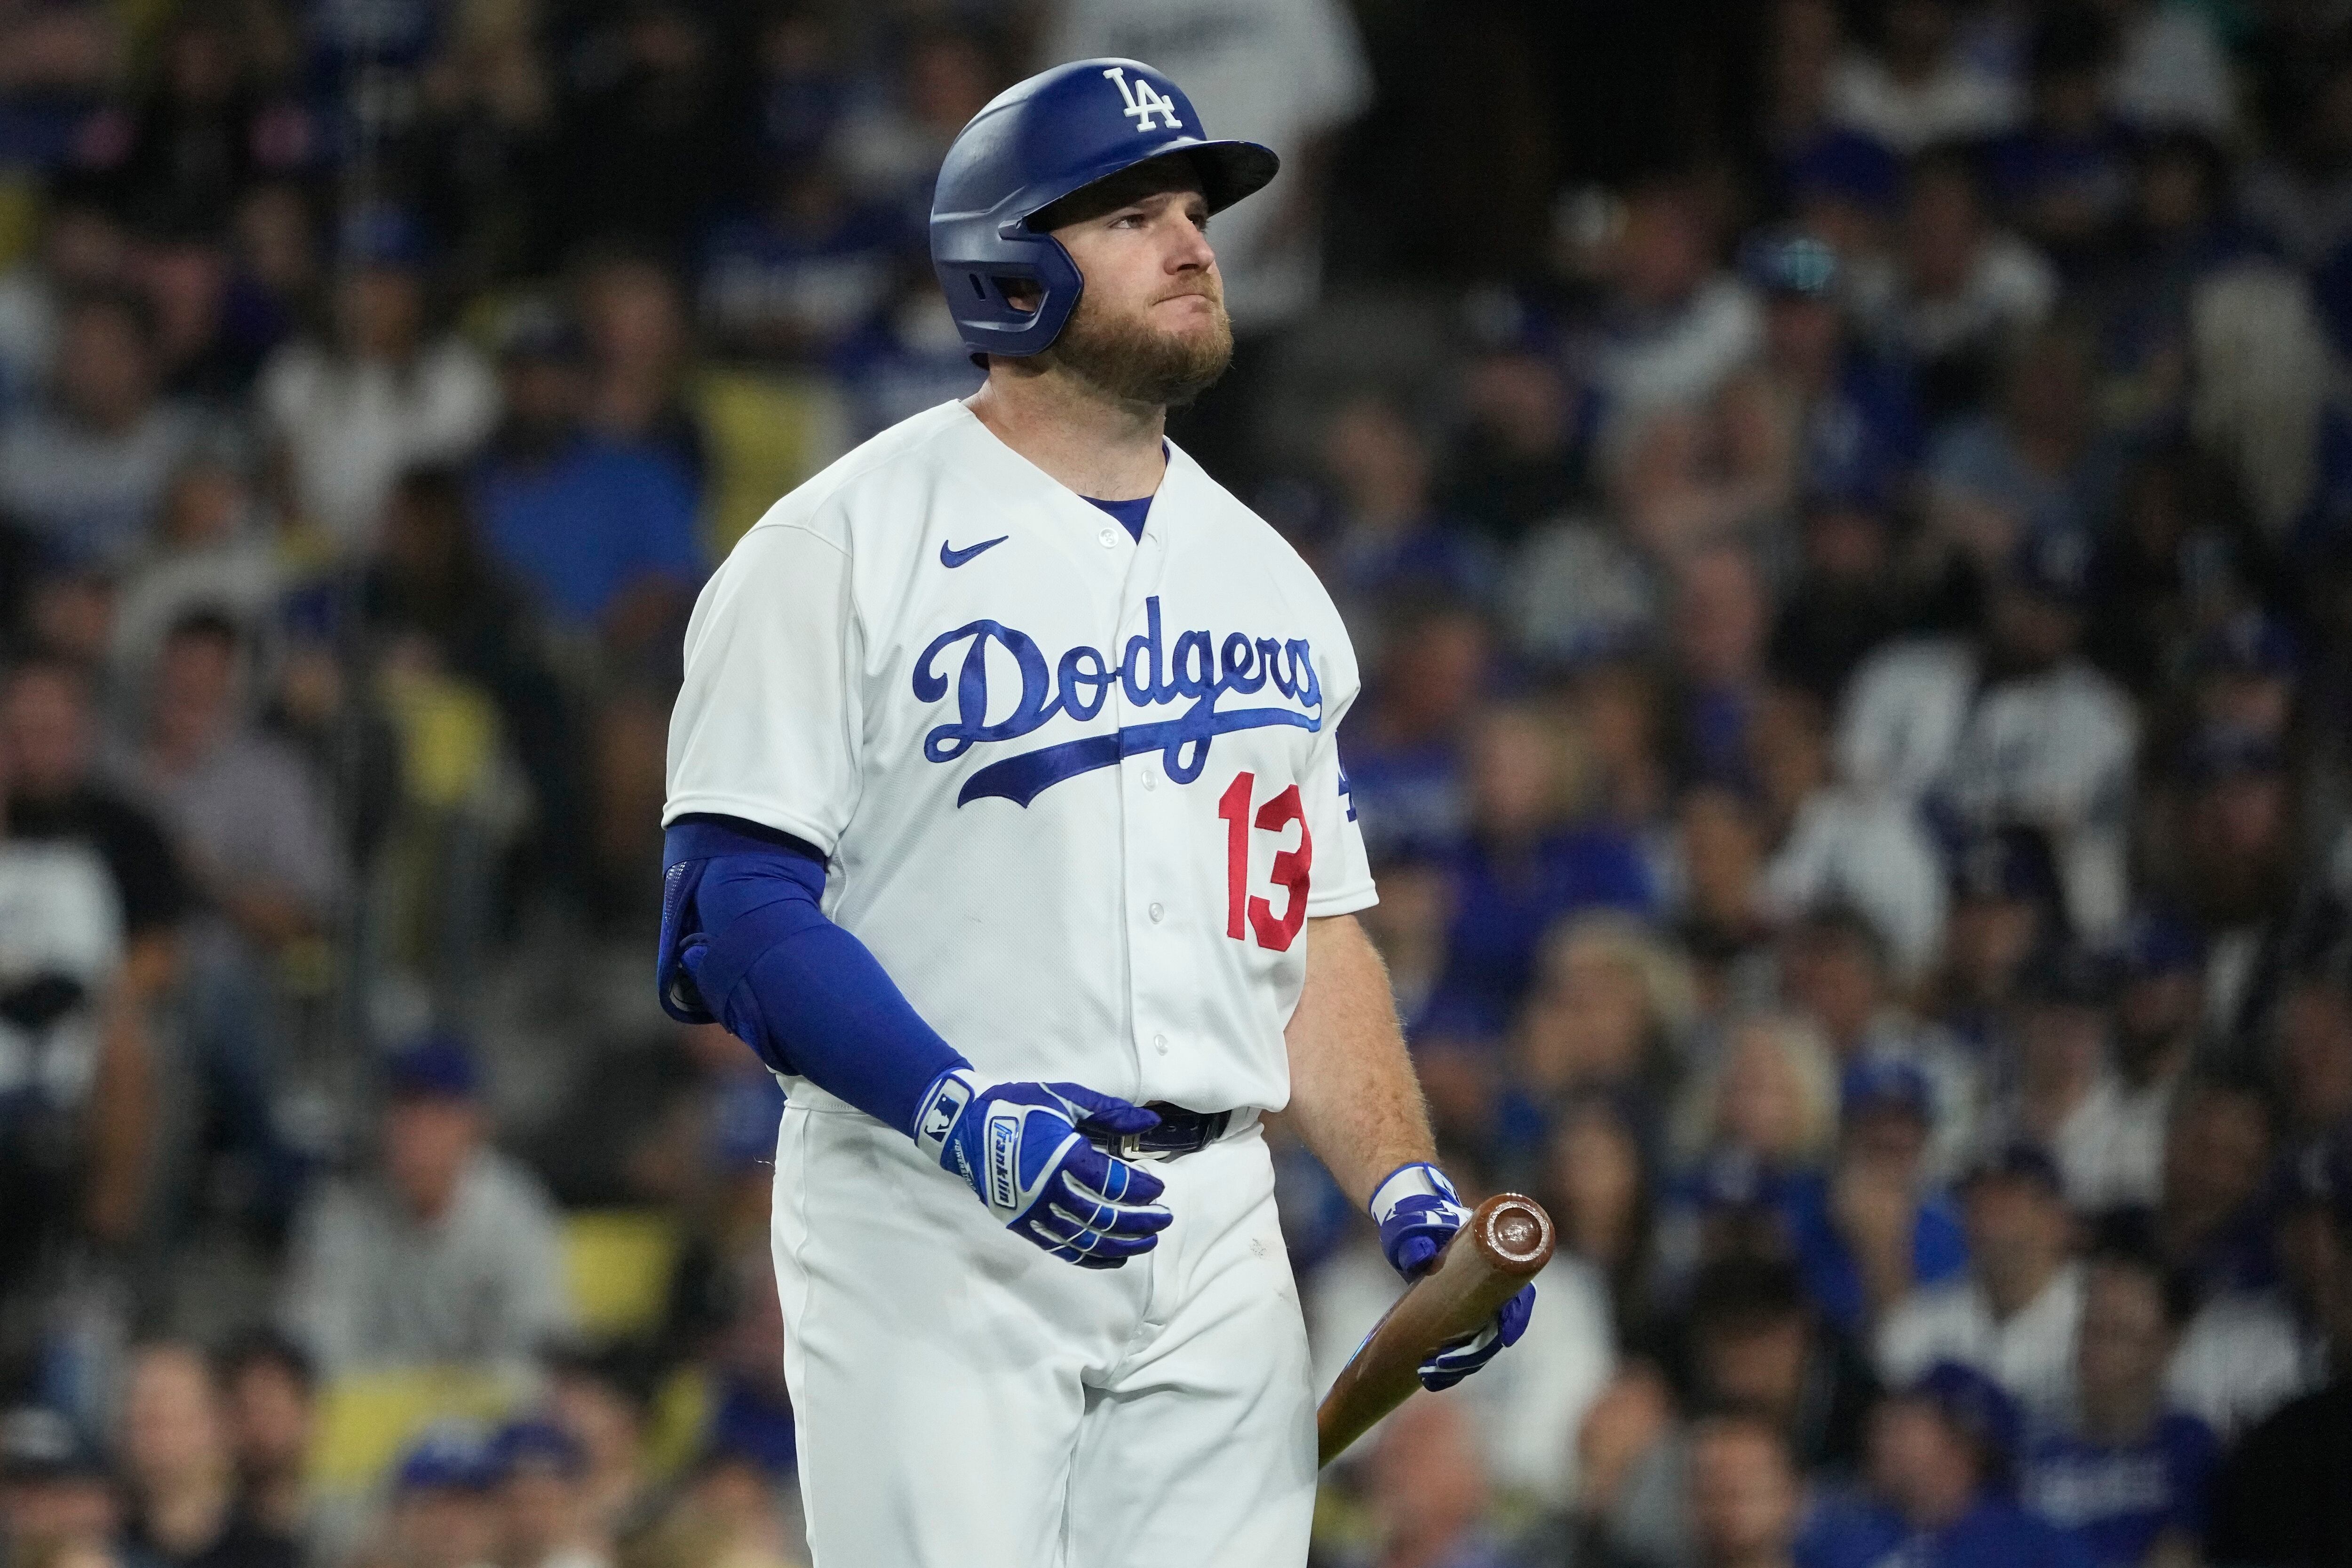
(1151,325)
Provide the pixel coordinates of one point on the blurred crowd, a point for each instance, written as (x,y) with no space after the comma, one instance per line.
(1846,511)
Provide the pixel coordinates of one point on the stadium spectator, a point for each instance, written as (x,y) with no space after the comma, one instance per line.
(2249,1350)
(2172,70)
(1406,769)
(272,1418)
(791,279)
(600,533)
(1384,540)
(1836,973)
(442,1515)
(381,394)
(1673,327)
(2013,1315)
(537,1469)
(54,1486)
(890,146)
(648,144)
(2217,1151)
(1837,848)
(213,549)
(2159,1014)
(1597,1177)
(1747,1494)
(78,1101)
(1527,1425)
(2064,177)
(59,793)
(1521,456)
(2005,907)
(633,317)
(1842,416)
(251,824)
(1756,1346)
(1960,290)
(1940,1456)
(1430,1487)
(2065,1099)
(728,1508)
(2124,1474)
(446,1254)
(1529,861)
(1921,85)
(82,244)
(1769,1097)
(594,1402)
(1610,1013)
(181,1474)
(2012,727)
(432,588)
(83,470)
(2314,1052)
(208,127)
(1847,599)
(1873,1227)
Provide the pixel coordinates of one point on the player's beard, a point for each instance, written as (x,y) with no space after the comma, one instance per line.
(1137,363)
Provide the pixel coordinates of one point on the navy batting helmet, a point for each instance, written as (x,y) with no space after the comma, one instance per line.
(1037,141)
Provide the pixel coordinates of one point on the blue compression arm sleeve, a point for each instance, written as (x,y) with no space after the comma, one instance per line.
(745,942)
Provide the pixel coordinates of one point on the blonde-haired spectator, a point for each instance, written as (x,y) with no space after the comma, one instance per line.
(1769,1093)
(1611,1006)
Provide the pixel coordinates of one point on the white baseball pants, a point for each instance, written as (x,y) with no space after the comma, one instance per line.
(965,1401)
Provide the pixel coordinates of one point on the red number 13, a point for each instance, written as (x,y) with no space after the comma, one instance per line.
(1289,870)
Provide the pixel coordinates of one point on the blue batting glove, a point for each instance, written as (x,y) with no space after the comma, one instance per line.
(1022,1148)
(1418,1212)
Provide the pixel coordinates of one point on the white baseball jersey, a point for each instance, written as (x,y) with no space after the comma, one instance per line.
(1078,793)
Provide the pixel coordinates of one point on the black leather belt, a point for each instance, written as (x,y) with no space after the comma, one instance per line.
(1180,1132)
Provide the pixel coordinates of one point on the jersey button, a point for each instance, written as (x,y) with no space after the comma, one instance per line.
(1150,779)
(1108,538)
(1160,1043)
(1157,913)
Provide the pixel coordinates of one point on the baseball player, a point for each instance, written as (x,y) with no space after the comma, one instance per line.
(1006,822)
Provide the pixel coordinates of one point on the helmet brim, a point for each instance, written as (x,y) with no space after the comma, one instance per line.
(1227,171)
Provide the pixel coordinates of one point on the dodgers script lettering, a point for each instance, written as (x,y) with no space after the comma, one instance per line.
(1197,671)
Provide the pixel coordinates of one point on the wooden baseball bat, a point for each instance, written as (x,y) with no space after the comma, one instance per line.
(1508,1238)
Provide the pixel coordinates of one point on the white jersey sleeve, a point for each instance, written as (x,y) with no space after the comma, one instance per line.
(767,723)
(1343,880)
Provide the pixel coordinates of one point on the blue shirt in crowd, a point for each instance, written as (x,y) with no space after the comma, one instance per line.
(586,523)
(1995,1534)
(1939,1249)
(2114,1502)
(1503,907)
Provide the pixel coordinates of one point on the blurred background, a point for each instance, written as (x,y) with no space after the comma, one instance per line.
(1847,512)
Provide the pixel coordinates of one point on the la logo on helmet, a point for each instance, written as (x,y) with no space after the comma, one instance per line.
(1143,101)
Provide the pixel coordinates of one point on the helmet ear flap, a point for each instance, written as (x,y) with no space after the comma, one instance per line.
(1013,302)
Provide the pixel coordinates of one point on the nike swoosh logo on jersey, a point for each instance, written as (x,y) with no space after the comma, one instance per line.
(952,557)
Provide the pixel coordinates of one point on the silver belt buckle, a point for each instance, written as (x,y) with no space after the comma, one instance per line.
(1128,1147)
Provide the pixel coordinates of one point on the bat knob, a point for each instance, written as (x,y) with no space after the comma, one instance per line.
(1517,1231)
